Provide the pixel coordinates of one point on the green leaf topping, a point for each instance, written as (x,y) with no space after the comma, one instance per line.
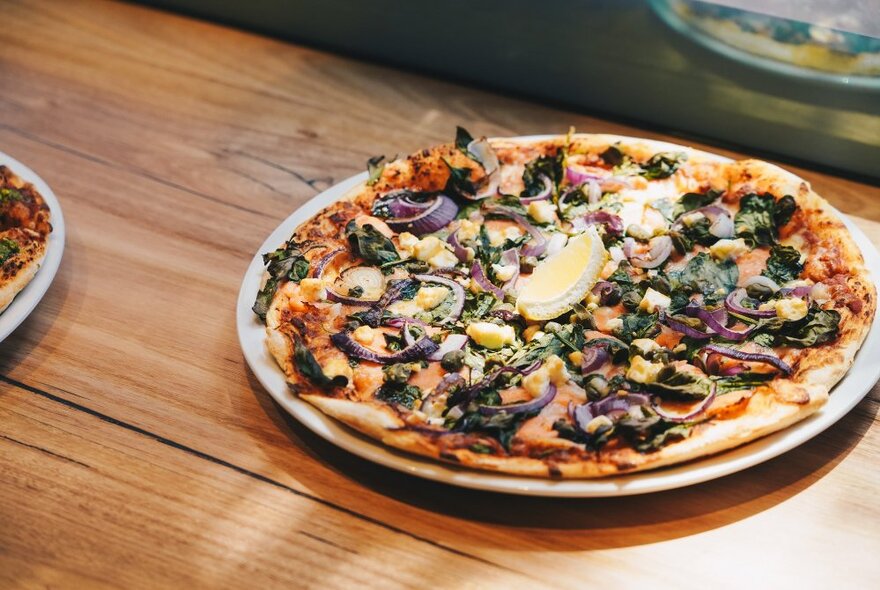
(690,201)
(368,243)
(462,140)
(284,264)
(310,368)
(703,274)
(662,165)
(375,166)
(760,217)
(8,249)
(549,166)
(784,264)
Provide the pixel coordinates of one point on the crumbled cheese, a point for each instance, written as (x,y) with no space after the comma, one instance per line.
(491,335)
(645,344)
(405,244)
(312,289)
(407,307)
(820,293)
(598,422)
(497,237)
(692,219)
(468,230)
(542,211)
(536,383)
(364,335)
(614,324)
(552,371)
(643,371)
(654,300)
(732,249)
(428,247)
(791,309)
(338,368)
(430,297)
(555,367)
(532,332)
(504,272)
(576,357)
(444,259)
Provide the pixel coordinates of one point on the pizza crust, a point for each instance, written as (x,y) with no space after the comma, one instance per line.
(768,409)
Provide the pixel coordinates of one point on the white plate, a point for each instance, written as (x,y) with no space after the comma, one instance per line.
(851,389)
(27,299)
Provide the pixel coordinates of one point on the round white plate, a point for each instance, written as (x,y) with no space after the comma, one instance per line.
(851,389)
(27,299)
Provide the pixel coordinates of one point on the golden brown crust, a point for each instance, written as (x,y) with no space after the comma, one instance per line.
(834,259)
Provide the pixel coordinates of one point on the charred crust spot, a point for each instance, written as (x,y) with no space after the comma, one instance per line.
(449,456)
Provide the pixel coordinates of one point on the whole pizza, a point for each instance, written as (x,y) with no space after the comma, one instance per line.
(24,231)
(579,306)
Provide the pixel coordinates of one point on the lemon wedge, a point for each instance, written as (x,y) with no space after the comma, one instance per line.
(563,279)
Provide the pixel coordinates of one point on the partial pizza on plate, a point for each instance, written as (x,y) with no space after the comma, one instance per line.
(24,232)
(580,306)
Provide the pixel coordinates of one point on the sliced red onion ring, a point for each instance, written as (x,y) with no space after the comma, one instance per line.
(400,203)
(750,357)
(712,365)
(607,292)
(694,411)
(712,321)
(763,281)
(348,300)
(457,292)
(448,381)
(594,192)
(683,327)
(721,222)
(392,294)
(532,405)
(407,335)
(606,183)
(422,348)
(543,195)
(612,223)
(539,242)
(323,261)
(613,406)
(479,275)
(438,215)
(451,343)
(510,257)
(399,321)
(734,304)
(594,358)
(661,248)
(488,187)
(460,251)
(802,291)
(464,396)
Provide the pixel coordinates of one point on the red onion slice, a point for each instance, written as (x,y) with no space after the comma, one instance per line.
(451,343)
(750,357)
(594,358)
(510,257)
(448,381)
(483,153)
(695,410)
(479,275)
(437,216)
(459,250)
(545,193)
(613,406)
(422,348)
(392,294)
(348,300)
(532,405)
(539,242)
(763,281)
(612,223)
(721,223)
(321,265)
(712,321)
(400,203)
(682,327)
(457,292)
(661,248)
(734,304)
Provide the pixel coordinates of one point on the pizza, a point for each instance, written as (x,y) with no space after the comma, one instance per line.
(579,306)
(24,231)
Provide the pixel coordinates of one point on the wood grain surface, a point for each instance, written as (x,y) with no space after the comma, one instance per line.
(136,448)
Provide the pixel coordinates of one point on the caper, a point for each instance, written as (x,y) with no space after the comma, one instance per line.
(661,283)
(552,327)
(596,386)
(631,300)
(452,361)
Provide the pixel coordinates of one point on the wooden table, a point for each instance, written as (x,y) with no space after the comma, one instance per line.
(136,448)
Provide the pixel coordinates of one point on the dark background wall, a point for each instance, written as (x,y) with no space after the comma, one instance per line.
(604,56)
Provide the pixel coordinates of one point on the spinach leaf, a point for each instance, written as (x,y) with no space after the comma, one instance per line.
(459,181)
(8,249)
(664,433)
(285,263)
(690,201)
(368,243)
(662,165)
(784,264)
(538,349)
(401,394)
(476,306)
(612,156)
(638,325)
(462,139)
(705,275)
(681,384)
(818,327)
(375,166)
(501,426)
(625,281)
(745,380)
(549,166)
(684,238)
(760,217)
(310,368)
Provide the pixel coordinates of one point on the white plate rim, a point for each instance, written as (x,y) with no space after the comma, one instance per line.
(28,298)
(847,393)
